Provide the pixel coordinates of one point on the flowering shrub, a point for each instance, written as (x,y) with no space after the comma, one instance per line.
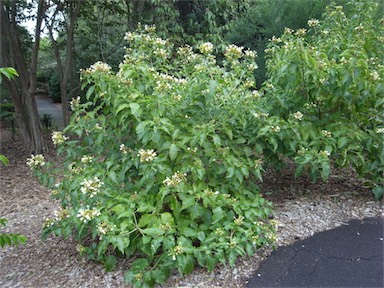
(333,75)
(159,162)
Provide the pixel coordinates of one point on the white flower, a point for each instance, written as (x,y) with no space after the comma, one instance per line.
(233,52)
(206,48)
(176,251)
(124,149)
(86,215)
(313,22)
(60,214)
(276,39)
(36,160)
(324,153)
(147,155)
(326,133)
(301,32)
(275,129)
(298,115)
(58,137)
(75,102)
(250,54)
(288,30)
(91,186)
(374,75)
(104,227)
(175,180)
(87,159)
(380,130)
(99,67)
(252,67)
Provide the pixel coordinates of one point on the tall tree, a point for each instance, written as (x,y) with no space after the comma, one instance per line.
(23,92)
(68,11)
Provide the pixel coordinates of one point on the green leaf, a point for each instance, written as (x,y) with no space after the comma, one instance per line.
(135,109)
(378,192)
(216,140)
(152,231)
(90,91)
(173,151)
(160,275)
(109,262)
(140,264)
(4,159)
(186,264)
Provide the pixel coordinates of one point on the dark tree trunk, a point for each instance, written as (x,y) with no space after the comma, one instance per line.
(23,95)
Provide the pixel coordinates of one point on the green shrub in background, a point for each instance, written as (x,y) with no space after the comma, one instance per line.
(331,77)
(54,88)
(159,166)
(265,19)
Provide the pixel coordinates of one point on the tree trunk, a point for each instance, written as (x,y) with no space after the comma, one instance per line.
(64,71)
(23,99)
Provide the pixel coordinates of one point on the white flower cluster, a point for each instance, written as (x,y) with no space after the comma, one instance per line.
(380,130)
(124,149)
(250,54)
(206,48)
(239,220)
(169,78)
(324,153)
(301,32)
(192,149)
(252,67)
(35,161)
(161,53)
(184,50)
(298,115)
(60,214)
(75,102)
(326,133)
(313,22)
(276,40)
(176,251)
(233,52)
(374,76)
(87,159)
(58,137)
(99,67)
(105,227)
(175,180)
(249,84)
(147,155)
(86,215)
(91,186)
(288,30)
(275,129)
(260,115)
(72,168)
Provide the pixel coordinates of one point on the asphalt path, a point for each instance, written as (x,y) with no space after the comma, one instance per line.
(347,256)
(45,105)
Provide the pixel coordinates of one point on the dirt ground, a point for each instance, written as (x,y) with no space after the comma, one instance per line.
(301,207)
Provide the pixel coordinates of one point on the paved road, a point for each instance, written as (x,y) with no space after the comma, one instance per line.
(348,256)
(45,105)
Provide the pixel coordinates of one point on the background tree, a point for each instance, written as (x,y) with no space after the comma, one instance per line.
(68,11)
(12,54)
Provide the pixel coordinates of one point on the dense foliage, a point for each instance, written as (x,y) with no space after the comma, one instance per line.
(162,158)
(333,75)
(158,163)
